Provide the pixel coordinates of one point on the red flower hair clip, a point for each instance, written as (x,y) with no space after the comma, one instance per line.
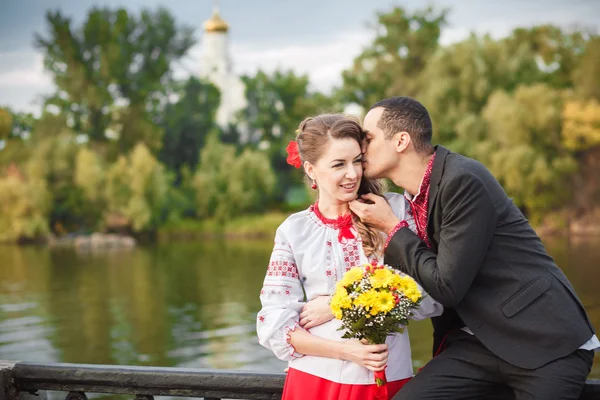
(293,157)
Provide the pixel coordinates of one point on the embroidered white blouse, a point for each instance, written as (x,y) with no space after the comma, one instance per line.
(308,259)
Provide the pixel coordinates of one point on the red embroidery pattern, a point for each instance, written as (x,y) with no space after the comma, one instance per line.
(261,318)
(351,254)
(420,203)
(283,268)
(330,269)
(281,245)
(399,226)
(278,290)
(343,224)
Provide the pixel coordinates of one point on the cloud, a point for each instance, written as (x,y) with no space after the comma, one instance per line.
(322,57)
(23,69)
(322,62)
(23,80)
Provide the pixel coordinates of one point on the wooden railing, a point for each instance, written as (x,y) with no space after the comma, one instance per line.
(25,380)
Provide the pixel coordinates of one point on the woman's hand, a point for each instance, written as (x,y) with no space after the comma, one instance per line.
(371,356)
(316,312)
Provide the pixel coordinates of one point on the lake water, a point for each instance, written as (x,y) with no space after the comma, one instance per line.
(186,304)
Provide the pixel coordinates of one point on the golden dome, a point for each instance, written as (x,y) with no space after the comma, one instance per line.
(216,23)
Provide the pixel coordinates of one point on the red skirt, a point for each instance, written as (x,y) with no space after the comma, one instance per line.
(303,386)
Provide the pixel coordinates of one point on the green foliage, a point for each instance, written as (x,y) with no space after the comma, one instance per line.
(89,178)
(52,159)
(249,225)
(111,69)
(227,185)
(24,204)
(137,189)
(187,123)
(6,122)
(558,50)
(500,101)
(523,147)
(22,125)
(460,78)
(121,139)
(276,105)
(393,62)
(581,125)
(586,75)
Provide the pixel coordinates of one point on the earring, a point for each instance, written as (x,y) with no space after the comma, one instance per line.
(314,185)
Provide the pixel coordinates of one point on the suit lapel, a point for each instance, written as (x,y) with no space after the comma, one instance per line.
(436,176)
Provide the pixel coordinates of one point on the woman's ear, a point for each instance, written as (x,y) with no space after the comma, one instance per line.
(309,169)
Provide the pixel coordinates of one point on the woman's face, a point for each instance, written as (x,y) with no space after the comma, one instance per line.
(338,172)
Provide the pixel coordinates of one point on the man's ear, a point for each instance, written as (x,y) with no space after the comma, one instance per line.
(309,169)
(403,141)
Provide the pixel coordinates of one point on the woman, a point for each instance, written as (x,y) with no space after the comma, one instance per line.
(312,251)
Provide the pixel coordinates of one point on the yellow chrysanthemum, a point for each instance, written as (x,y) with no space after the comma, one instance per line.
(337,314)
(413,295)
(385,301)
(343,299)
(394,280)
(381,278)
(407,283)
(368,299)
(336,308)
(352,276)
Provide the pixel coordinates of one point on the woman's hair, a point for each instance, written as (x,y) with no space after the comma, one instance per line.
(313,136)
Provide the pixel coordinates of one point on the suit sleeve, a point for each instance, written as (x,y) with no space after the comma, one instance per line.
(467,228)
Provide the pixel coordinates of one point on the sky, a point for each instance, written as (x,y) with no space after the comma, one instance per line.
(316,37)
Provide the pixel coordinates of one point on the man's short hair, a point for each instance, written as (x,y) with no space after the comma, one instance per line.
(404,114)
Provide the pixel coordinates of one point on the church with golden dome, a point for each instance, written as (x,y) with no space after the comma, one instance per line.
(217,67)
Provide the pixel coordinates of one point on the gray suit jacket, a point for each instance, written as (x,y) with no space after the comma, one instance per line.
(488,266)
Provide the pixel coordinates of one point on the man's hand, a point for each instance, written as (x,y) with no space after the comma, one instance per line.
(315,312)
(373,210)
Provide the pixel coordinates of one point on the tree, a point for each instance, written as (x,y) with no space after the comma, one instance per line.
(52,150)
(22,125)
(390,65)
(581,135)
(459,79)
(6,123)
(212,180)
(252,180)
(24,207)
(187,123)
(557,51)
(90,178)
(137,189)
(111,70)
(524,149)
(15,130)
(277,104)
(586,76)
(581,125)
(227,185)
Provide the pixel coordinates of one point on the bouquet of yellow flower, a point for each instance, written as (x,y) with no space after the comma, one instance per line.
(373,301)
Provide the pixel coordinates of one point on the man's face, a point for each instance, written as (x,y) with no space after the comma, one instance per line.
(380,155)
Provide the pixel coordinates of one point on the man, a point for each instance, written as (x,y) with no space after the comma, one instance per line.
(512,316)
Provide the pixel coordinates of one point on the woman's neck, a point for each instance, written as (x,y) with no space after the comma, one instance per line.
(332,209)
